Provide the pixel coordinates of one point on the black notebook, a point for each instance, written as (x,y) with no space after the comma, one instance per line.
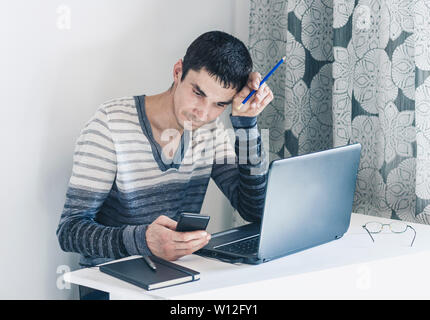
(137,272)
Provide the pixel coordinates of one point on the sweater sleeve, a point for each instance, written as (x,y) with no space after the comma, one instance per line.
(241,173)
(93,174)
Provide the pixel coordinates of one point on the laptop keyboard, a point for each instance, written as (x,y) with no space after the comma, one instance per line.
(246,246)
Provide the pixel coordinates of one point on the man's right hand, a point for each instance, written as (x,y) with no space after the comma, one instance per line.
(168,244)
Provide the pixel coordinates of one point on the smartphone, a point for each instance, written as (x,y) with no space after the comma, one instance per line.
(192,222)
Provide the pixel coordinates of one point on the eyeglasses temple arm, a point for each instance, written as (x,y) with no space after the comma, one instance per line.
(415,234)
(364,227)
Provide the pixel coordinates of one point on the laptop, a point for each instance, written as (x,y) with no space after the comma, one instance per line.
(308,202)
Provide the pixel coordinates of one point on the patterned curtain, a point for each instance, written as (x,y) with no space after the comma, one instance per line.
(356,71)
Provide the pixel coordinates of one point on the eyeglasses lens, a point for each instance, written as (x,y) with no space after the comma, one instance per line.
(398,227)
(374,227)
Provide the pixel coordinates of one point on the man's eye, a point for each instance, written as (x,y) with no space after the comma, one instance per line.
(197,93)
(222,105)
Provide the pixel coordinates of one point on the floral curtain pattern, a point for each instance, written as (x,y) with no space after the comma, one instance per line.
(356,71)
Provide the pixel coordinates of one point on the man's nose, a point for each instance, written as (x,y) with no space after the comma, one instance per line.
(200,113)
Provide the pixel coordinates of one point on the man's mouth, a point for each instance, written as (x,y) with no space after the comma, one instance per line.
(192,119)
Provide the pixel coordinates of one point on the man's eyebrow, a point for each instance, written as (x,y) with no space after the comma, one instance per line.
(199,90)
(196,86)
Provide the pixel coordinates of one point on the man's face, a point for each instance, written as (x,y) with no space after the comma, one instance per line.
(200,98)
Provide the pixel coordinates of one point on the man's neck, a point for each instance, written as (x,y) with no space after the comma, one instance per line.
(160,112)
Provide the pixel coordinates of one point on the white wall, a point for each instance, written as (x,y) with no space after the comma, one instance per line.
(58,61)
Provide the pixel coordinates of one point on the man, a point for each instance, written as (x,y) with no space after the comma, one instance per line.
(131,180)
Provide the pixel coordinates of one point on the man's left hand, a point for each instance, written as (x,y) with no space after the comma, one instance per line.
(256,104)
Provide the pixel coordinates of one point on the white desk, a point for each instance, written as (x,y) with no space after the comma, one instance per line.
(352,267)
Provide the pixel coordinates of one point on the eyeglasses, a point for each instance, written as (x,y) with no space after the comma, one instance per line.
(395,227)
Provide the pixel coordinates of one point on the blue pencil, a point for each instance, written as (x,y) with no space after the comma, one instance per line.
(263,81)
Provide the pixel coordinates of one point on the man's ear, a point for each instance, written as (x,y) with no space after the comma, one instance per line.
(177,71)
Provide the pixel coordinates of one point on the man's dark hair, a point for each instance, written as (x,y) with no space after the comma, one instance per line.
(222,55)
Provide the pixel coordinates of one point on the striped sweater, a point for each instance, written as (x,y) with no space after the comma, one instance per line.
(121,182)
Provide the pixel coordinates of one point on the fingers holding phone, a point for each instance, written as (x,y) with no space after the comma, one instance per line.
(166,242)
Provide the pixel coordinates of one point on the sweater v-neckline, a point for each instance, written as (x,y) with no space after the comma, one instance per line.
(178,157)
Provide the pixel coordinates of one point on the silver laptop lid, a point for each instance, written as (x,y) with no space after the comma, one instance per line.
(308,200)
